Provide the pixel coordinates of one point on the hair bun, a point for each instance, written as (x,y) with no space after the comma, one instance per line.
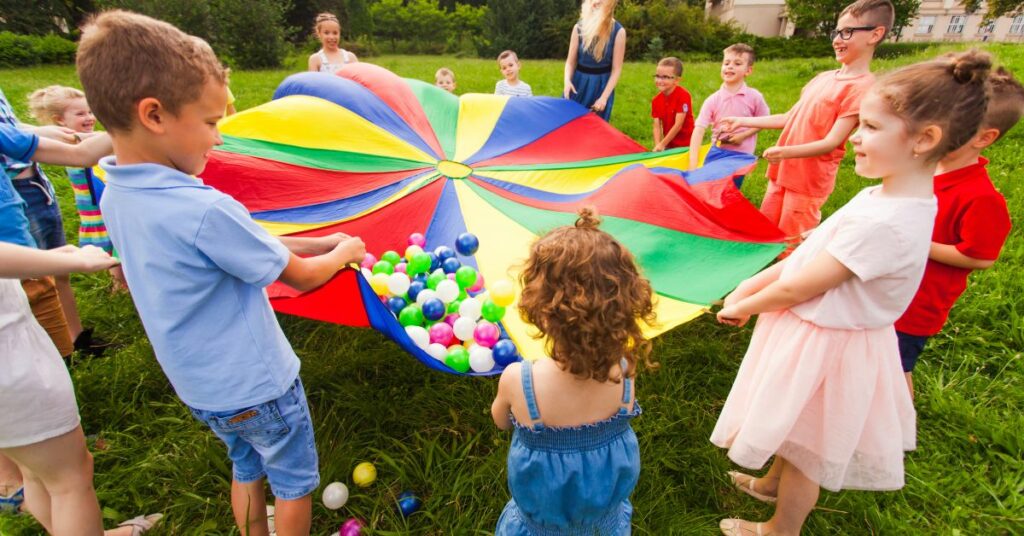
(588,218)
(971,67)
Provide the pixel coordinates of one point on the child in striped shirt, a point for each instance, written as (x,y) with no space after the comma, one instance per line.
(511,85)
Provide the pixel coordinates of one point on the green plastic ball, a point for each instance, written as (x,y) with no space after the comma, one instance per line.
(418,264)
(465,276)
(491,311)
(384,267)
(458,359)
(411,316)
(435,278)
(391,256)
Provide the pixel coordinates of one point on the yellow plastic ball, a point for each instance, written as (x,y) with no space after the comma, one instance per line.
(364,474)
(502,293)
(379,283)
(412,251)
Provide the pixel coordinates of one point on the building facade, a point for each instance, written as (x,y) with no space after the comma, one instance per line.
(766,18)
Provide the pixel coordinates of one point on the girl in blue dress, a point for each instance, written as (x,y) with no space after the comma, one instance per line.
(574,459)
(597,49)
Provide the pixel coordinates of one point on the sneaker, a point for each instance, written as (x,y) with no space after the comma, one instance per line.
(11,504)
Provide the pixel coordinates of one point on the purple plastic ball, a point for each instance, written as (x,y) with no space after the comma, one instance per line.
(352,527)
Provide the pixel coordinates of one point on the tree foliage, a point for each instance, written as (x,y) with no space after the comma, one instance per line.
(815,18)
(532,28)
(995,8)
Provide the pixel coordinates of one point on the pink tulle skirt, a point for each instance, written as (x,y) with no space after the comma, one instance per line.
(832,402)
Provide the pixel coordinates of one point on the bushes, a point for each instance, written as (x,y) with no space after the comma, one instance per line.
(26,50)
(253,36)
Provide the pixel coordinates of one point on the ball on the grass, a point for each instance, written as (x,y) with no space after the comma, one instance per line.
(364,474)
(408,503)
(505,352)
(467,244)
(352,527)
(335,495)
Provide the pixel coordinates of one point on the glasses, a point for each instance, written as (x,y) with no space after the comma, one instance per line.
(847,33)
(664,77)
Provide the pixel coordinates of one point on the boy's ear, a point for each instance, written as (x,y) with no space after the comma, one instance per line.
(151,115)
(986,136)
(877,35)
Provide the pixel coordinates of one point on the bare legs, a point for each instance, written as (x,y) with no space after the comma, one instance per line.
(249,504)
(797,496)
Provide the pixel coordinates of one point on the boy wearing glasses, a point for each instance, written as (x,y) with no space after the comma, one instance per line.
(802,166)
(672,108)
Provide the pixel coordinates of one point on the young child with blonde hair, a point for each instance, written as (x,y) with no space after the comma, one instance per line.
(574,459)
(444,78)
(820,387)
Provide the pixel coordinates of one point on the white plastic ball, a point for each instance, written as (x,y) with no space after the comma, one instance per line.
(437,351)
(335,495)
(418,335)
(470,308)
(447,290)
(398,284)
(464,328)
(425,295)
(480,359)
(366,273)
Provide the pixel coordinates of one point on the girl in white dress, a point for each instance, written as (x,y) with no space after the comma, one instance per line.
(330,57)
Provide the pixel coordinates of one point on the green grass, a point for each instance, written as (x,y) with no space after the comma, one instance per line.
(432,432)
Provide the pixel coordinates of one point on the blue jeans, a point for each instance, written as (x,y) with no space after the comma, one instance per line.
(273,439)
(44,220)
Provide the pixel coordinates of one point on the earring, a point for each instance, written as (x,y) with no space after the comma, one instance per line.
(916,155)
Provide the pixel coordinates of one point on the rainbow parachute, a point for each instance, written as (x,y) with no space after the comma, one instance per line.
(370,154)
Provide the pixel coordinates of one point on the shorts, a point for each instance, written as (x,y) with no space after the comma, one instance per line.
(272,440)
(910,348)
(44,220)
(46,307)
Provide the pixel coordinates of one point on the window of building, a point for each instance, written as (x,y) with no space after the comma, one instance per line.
(987,28)
(1017,26)
(926,24)
(956,24)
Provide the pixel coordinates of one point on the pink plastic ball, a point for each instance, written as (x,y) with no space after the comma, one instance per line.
(450,319)
(417,239)
(486,334)
(479,285)
(368,261)
(400,267)
(352,527)
(441,333)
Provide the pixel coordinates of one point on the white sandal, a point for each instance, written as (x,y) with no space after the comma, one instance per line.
(734,527)
(141,524)
(748,486)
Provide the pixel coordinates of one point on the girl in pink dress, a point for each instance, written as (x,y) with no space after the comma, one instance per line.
(821,387)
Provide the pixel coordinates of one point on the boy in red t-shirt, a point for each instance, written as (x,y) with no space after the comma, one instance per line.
(970,227)
(672,108)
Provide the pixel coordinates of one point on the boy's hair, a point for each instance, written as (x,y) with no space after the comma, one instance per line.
(1006,104)
(742,48)
(508,54)
(675,63)
(873,13)
(125,57)
(583,291)
(444,71)
(322,18)
(951,91)
(49,103)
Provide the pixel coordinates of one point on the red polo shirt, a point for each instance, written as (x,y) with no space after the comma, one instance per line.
(665,108)
(974,218)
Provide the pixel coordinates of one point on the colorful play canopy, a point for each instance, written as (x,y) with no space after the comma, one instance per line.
(370,154)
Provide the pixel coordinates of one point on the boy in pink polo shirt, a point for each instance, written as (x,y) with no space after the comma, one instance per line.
(802,167)
(733,99)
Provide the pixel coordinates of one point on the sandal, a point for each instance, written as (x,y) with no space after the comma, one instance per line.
(270,520)
(11,504)
(746,485)
(141,524)
(734,527)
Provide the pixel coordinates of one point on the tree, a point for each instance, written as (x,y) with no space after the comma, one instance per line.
(995,8)
(524,26)
(816,18)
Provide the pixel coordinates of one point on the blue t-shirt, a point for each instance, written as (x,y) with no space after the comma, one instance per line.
(18,145)
(197,265)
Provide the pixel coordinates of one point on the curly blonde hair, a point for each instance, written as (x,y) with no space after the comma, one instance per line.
(583,291)
(47,105)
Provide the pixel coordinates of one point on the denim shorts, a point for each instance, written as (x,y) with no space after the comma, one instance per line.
(272,440)
(43,212)
(911,346)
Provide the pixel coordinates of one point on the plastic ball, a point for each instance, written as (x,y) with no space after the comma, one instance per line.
(451,318)
(396,304)
(411,316)
(457,359)
(417,239)
(441,333)
(463,328)
(502,293)
(471,308)
(467,244)
(379,283)
(368,261)
(447,291)
(419,336)
(408,503)
(352,527)
(418,263)
(505,352)
(435,279)
(434,309)
(392,257)
(383,267)
(398,284)
(492,311)
(486,334)
(444,252)
(479,285)
(435,261)
(424,295)
(364,474)
(437,350)
(450,265)
(465,276)
(335,495)
(451,277)
(401,267)
(415,287)
(453,306)
(480,359)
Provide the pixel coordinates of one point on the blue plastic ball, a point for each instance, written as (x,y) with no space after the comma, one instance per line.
(408,503)
(443,253)
(415,287)
(434,309)
(451,265)
(422,278)
(396,304)
(435,261)
(505,352)
(467,244)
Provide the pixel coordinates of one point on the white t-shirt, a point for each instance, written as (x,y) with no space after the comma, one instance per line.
(522,89)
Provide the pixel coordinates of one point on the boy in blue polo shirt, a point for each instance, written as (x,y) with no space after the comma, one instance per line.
(197,264)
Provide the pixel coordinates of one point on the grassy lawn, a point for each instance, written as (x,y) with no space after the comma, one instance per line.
(432,433)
